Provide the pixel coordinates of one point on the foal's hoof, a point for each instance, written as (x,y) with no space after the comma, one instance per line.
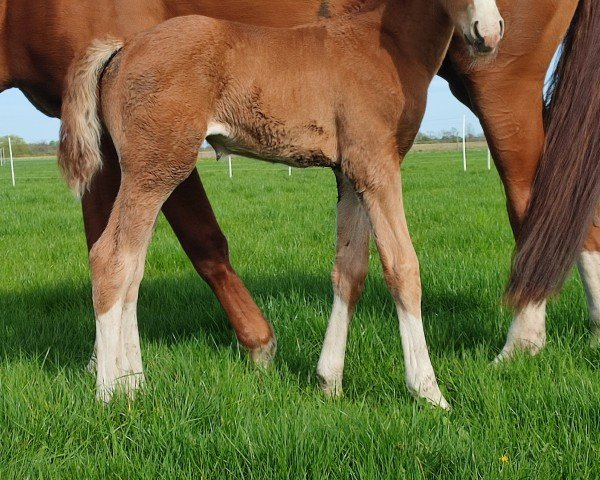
(439,402)
(430,391)
(131,383)
(331,387)
(128,385)
(435,399)
(263,356)
(92,365)
(104,393)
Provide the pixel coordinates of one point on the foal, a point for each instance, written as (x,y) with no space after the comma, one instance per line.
(325,95)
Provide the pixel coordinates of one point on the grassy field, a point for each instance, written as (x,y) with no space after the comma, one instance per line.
(207,413)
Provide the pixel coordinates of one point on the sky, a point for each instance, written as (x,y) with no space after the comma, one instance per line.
(19,117)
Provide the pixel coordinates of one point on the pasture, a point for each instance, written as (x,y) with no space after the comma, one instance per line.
(207,413)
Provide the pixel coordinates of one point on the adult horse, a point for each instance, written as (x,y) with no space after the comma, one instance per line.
(290,95)
(37,45)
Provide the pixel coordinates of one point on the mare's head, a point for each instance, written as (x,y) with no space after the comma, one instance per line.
(478,21)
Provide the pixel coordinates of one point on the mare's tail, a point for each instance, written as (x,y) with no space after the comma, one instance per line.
(79,154)
(567,186)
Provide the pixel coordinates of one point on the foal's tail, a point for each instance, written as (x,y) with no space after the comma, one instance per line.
(79,155)
(567,186)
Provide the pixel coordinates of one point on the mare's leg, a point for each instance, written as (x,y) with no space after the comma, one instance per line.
(513,124)
(589,269)
(193,221)
(349,273)
(507,97)
(382,196)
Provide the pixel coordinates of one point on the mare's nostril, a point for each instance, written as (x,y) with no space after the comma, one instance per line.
(501,28)
(476,32)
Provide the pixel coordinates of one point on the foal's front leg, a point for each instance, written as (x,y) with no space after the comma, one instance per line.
(349,272)
(382,197)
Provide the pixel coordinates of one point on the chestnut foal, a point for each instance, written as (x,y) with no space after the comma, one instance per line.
(347,93)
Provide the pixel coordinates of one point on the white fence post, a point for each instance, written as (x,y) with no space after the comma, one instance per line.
(489,163)
(12,166)
(465,143)
(289,171)
(230,169)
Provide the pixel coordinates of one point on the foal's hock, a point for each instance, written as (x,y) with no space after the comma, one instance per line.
(326,94)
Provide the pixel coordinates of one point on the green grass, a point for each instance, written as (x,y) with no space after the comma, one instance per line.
(207,413)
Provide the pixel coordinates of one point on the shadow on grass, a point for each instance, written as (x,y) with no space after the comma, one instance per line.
(55,323)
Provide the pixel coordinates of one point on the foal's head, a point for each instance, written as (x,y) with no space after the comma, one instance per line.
(479,21)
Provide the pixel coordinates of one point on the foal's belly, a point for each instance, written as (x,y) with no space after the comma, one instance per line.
(298,144)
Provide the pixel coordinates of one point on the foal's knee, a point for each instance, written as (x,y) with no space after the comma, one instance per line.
(404,283)
(349,282)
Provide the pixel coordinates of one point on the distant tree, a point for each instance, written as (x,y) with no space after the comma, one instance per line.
(424,138)
(43,148)
(449,136)
(20,148)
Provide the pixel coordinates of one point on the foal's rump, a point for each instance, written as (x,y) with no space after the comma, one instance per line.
(98,96)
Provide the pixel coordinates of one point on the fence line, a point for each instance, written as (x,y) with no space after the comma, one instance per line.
(243,165)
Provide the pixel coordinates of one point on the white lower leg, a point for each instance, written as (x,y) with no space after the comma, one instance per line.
(527,332)
(130,343)
(92,364)
(109,351)
(420,377)
(330,368)
(589,269)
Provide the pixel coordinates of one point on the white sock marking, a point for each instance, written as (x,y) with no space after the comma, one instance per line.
(109,351)
(331,362)
(527,332)
(132,353)
(589,269)
(420,377)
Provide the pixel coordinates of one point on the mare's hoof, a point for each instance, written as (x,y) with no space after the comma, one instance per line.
(515,347)
(263,356)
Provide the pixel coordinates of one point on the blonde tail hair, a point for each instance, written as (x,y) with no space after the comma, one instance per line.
(79,156)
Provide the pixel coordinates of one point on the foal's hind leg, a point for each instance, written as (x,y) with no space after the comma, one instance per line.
(382,197)
(117,259)
(349,272)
